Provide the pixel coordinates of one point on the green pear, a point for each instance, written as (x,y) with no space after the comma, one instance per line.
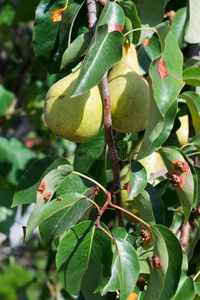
(129,91)
(77,119)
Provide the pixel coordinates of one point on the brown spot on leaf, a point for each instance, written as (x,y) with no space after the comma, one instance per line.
(95,190)
(127,186)
(181,166)
(46,195)
(42,186)
(56,14)
(156,262)
(177,180)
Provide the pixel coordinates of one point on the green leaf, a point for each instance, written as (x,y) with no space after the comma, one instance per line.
(150,14)
(153,129)
(195,140)
(125,268)
(61,214)
(52,180)
(46,32)
(138,179)
(88,153)
(74,53)
(6,98)
(26,191)
(193,102)
(186,290)
(14,158)
(28,14)
(73,184)
(166,74)
(82,244)
(131,13)
(197,288)
(67,22)
(178,26)
(157,277)
(142,203)
(165,132)
(112,15)
(7,215)
(175,262)
(191,76)
(192,34)
(105,47)
(148,51)
(188,187)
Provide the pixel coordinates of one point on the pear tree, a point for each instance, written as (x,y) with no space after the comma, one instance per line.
(122,215)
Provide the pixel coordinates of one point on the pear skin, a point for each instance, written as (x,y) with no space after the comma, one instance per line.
(77,119)
(129,91)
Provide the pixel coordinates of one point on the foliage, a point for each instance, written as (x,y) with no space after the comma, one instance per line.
(155,255)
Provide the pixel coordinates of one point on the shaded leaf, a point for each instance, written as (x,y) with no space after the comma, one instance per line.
(131,13)
(67,22)
(88,153)
(14,158)
(157,277)
(46,32)
(193,102)
(75,51)
(6,98)
(138,179)
(82,244)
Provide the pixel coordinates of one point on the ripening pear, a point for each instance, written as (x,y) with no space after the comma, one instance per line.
(129,91)
(77,119)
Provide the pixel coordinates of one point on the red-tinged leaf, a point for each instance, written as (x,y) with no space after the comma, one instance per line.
(167,87)
(53,179)
(161,69)
(112,15)
(182,176)
(115,27)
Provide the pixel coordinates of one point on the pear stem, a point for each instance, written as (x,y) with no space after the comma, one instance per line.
(136,29)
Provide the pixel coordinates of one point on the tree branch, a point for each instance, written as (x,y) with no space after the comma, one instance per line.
(105,92)
(92,16)
(111,144)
